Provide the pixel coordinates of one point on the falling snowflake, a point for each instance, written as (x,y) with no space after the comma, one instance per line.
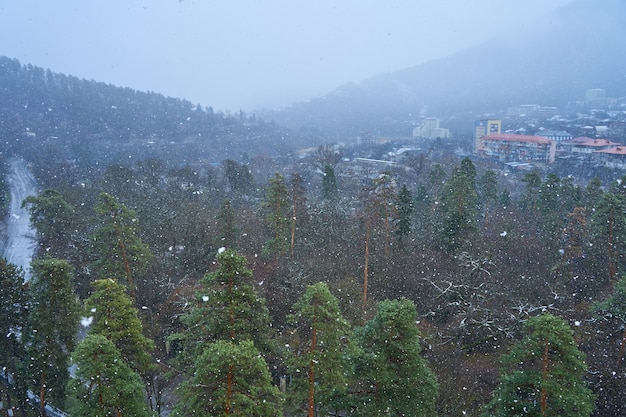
(86,321)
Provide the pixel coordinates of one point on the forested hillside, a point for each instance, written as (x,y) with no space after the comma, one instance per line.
(261,285)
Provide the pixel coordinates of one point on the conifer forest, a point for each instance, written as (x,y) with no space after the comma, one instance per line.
(196,263)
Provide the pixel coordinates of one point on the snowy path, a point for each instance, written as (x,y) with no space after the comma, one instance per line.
(19,245)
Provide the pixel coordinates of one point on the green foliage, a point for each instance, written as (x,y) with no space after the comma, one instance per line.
(329,183)
(543,374)
(533,182)
(278,216)
(227,227)
(119,251)
(318,352)
(459,209)
(489,186)
(115,318)
(405,208)
(230,379)
(608,228)
(51,215)
(52,326)
(392,377)
(13,301)
(227,307)
(615,304)
(238,177)
(104,385)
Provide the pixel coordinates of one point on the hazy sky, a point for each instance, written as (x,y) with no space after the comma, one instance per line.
(247,54)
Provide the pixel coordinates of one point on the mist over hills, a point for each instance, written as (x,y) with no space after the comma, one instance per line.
(551,63)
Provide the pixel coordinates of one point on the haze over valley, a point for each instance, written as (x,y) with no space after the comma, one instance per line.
(353,209)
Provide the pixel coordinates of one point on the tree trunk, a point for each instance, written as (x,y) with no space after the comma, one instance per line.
(312,369)
(544,393)
(42,395)
(229,390)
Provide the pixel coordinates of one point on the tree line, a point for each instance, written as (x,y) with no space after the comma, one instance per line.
(447,263)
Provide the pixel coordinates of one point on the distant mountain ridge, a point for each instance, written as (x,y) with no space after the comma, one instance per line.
(580,46)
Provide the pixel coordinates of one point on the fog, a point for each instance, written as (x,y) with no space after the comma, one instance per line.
(247,54)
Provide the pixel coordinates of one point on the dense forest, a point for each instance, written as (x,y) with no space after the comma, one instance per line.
(269,284)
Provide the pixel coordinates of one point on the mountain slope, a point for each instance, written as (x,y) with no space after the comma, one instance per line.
(552,63)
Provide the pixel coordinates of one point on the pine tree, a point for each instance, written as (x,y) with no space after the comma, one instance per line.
(614,307)
(299,215)
(52,328)
(533,182)
(404,208)
(543,374)
(120,252)
(459,210)
(227,308)
(104,385)
(13,303)
(488,191)
(51,215)
(115,317)
(230,379)
(278,215)
(226,226)
(329,184)
(392,378)
(317,363)
(609,230)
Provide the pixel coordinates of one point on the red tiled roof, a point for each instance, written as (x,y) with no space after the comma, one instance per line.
(618,150)
(507,137)
(597,142)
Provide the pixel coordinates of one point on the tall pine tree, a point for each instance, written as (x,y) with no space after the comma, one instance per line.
(52,328)
(543,375)
(392,378)
(318,363)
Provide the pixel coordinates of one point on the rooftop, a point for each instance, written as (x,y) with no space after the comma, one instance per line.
(508,137)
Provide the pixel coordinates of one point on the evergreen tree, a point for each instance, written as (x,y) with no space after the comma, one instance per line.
(392,378)
(317,363)
(230,379)
(278,215)
(329,183)
(51,216)
(115,317)
(120,252)
(299,215)
(614,307)
(404,208)
(52,328)
(104,385)
(227,308)
(459,210)
(543,374)
(238,176)
(227,227)
(436,178)
(609,230)
(592,194)
(488,191)
(13,303)
(533,182)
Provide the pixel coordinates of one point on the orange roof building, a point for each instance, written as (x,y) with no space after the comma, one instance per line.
(507,147)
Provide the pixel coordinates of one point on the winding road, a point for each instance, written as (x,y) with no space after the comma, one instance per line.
(19,246)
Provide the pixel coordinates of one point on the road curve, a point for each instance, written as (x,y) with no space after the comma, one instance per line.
(19,245)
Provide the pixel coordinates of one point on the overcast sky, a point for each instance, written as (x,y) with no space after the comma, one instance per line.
(247,54)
